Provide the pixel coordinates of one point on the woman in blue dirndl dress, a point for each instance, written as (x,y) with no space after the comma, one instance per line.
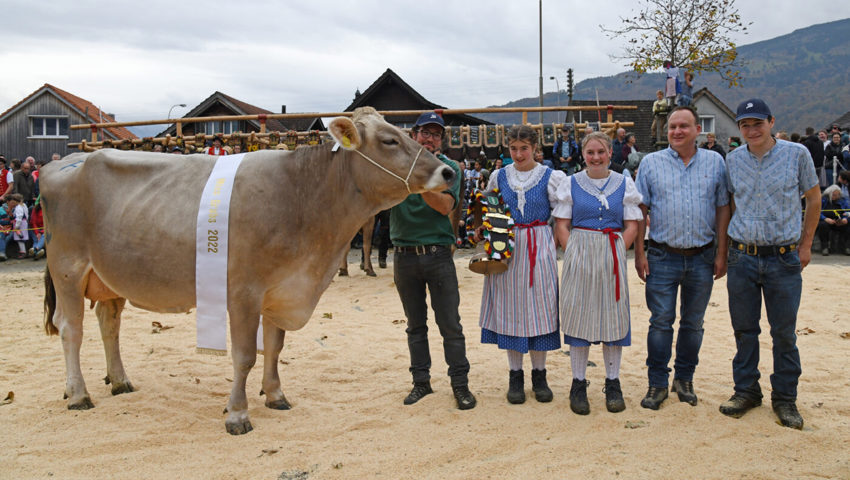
(519,307)
(597,215)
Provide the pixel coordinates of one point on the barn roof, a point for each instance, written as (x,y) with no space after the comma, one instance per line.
(406,98)
(238,107)
(81,106)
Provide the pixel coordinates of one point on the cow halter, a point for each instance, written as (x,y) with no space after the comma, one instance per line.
(404,180)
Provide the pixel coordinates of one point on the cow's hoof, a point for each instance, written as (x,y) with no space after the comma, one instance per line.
(238,427)
(280,404)
(371,273)
(83,404)
(343,273)
(119,388)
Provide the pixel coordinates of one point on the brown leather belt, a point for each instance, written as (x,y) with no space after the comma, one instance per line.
(761,250)
(687,252)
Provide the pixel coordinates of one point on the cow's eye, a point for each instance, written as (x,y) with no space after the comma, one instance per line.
(390,141)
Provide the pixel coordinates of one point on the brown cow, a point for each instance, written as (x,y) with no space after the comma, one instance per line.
(122,227)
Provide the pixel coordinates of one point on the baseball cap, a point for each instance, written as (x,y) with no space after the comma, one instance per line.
(753,108)
(430,117)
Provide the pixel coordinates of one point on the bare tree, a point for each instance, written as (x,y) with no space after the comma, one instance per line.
(692,34)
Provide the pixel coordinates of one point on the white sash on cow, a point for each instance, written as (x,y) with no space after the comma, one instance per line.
(211,258)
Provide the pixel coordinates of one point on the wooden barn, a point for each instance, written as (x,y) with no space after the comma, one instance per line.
(390,92)
(220,104)
(38,125)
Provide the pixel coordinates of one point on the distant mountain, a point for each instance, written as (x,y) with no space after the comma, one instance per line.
(804,77)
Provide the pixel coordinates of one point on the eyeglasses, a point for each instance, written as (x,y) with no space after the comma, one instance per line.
(430,134)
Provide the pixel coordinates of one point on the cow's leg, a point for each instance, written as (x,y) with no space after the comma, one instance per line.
(272,345)
(68,319)
(366,253)
(244,321)
(109,316)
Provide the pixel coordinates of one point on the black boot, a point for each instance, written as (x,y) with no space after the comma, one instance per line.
(516,387)
(614,396)
(542,392)
(578,397)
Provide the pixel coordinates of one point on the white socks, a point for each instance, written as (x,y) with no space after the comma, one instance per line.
(612,355)
(578,361)
(538,360)
(514,360)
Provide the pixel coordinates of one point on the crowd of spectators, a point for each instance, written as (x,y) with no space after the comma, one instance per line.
(21,220)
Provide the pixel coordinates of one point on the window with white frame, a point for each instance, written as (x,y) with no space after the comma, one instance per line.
(49,126)
(211,128)
(707,123)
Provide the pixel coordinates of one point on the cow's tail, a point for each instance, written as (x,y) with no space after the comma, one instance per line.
(49,304)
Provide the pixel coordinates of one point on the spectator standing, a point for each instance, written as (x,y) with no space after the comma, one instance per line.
(686,90)
(659,117)
(423,236)
(565,151)
(6,180)
(832,158)
(617,155)
(216,148)
(24,184)
(671,85)
(711,144)
(770,245)
(685,196)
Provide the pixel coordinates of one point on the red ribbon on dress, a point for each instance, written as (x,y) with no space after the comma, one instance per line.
(531,237)
(612,240)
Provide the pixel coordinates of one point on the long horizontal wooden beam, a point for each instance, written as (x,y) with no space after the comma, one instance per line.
(387,113)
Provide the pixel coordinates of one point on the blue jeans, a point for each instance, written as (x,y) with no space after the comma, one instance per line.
(436,271)
(4,240)
(38,243)
(668,272)
(778,279)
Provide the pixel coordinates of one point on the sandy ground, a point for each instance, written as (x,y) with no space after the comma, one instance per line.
(346,373)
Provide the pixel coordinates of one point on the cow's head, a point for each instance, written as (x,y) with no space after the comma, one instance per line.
(390,162)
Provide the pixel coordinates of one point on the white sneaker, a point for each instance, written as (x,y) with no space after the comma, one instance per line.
(39,254)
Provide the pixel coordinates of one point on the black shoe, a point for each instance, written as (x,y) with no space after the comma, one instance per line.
(655,396)
(578,397)
(614,396)
(420,389)
(382,262)
(737,406)
(465,399)
(788,414)
(685,390)
(516,387)
(542,392)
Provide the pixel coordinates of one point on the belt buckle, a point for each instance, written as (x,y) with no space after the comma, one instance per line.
(752,250)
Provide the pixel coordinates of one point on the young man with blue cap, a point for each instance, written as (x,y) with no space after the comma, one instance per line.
(767,254)
(423,236)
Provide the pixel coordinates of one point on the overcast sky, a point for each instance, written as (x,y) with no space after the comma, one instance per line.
(137,59)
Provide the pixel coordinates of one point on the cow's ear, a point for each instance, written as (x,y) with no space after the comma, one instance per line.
(345,133)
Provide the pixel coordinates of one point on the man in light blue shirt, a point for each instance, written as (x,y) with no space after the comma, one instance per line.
(684,191)
(769,245)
